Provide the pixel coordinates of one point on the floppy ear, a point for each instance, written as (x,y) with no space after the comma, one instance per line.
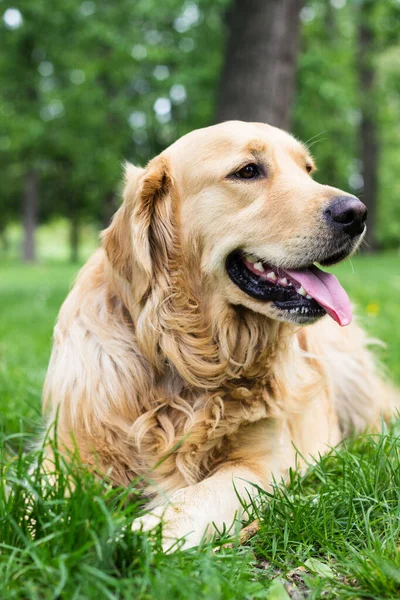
(172,329)
(153,219)
(138,239)
(143,245)
(117,238)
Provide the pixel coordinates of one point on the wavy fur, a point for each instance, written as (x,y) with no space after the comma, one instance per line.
(153,367)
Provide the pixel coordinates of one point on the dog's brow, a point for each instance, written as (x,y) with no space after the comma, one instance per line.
(309,158)
(256,147)
(301,154)
(310,161)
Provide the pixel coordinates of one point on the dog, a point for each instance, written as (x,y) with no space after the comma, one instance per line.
(201,347)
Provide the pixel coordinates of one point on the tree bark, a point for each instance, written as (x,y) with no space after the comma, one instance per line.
(258,77)
(74,232)
(109,208)
(4,238)
(330,22)
(369,138)
(30,216)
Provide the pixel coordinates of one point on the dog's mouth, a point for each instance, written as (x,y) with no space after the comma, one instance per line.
(303,295)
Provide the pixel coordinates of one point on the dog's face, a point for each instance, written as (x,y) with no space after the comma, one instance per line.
(251,211)
(234,207)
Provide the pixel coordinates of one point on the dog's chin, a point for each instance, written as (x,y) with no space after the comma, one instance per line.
(265,310)
(276,292)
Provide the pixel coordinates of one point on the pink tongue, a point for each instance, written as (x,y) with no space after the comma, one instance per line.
(327,291)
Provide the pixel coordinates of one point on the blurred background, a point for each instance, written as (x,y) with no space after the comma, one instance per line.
(86,84)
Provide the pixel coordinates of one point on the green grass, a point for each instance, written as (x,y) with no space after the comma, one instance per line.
(333,533)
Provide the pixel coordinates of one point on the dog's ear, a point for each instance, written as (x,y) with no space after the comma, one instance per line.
(143,245)
(153,219)
(137,241)
(171,329)
(117,238)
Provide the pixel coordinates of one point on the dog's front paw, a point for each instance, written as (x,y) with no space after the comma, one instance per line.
(181,527)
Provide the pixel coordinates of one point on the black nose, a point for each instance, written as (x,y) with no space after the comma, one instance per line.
(347,213)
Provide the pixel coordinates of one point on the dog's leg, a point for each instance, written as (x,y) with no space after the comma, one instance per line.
(193,511)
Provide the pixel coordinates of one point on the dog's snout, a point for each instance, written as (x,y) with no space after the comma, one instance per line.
(347,213)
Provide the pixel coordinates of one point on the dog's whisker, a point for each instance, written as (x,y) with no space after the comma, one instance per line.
(315,136)
(315,142)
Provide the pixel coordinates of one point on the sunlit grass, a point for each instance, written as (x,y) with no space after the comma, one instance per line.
(339,524)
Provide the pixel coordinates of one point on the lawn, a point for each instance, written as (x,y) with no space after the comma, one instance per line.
(333,533)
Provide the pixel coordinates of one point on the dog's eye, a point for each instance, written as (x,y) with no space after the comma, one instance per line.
(308,168)
(248,172)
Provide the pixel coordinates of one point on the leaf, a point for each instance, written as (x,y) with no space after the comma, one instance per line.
(320,568)
(277,591)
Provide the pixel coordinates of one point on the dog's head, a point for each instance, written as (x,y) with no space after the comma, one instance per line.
(231,212)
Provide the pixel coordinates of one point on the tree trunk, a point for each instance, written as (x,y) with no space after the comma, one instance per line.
(4,238)
(330,22)
(368,126)
(109,208)
(30,209)
(260,65)
(74,232)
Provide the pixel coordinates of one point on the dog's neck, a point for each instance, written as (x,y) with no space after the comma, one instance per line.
(211,370)
(204,343)
(249,342)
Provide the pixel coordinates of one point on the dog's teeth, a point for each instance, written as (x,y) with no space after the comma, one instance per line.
(272,276)
(302,291)
(251,258)
(308,297)
(259,267)
(283,281)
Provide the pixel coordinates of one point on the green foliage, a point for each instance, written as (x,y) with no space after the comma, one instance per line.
(325,112)
(87,84)
(71,538)
(340,522)
(327,107)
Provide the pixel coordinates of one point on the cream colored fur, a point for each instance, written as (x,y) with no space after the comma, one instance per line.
(163,369)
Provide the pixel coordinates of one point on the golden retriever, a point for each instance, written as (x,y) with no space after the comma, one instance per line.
(180,354)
